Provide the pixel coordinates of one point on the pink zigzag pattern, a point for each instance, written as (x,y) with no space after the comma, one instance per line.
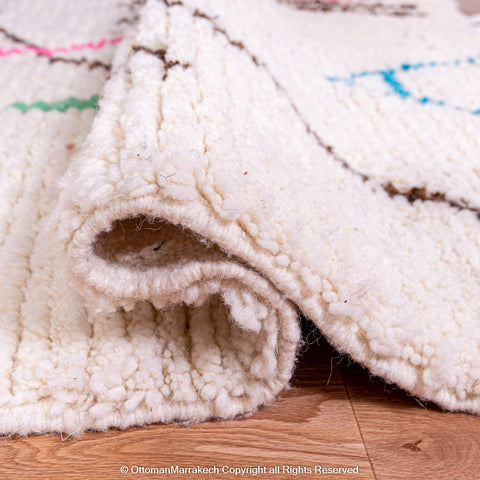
(51,51)
(337,1)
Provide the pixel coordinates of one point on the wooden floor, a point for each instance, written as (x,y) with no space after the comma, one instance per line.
(334,415)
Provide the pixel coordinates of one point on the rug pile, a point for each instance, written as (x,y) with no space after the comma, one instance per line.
(180,178)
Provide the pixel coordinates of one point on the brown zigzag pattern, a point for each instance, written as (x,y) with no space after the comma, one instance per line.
(161,54)
(399,10)
(411,194)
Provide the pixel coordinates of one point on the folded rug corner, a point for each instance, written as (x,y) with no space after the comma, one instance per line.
(248,161)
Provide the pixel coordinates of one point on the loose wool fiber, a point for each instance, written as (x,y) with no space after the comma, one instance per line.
(180,178)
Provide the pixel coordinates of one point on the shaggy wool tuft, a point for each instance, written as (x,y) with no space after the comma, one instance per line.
(180,178)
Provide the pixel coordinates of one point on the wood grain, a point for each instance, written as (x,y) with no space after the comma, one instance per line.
(406,440)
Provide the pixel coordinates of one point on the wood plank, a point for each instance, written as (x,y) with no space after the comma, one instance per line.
(311,424)
(406,440)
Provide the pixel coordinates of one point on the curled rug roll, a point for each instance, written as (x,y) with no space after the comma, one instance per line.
(248,160)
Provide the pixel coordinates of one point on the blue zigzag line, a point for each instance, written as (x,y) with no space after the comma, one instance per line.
(390,78)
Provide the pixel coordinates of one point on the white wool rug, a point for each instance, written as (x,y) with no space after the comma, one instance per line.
(179,178)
